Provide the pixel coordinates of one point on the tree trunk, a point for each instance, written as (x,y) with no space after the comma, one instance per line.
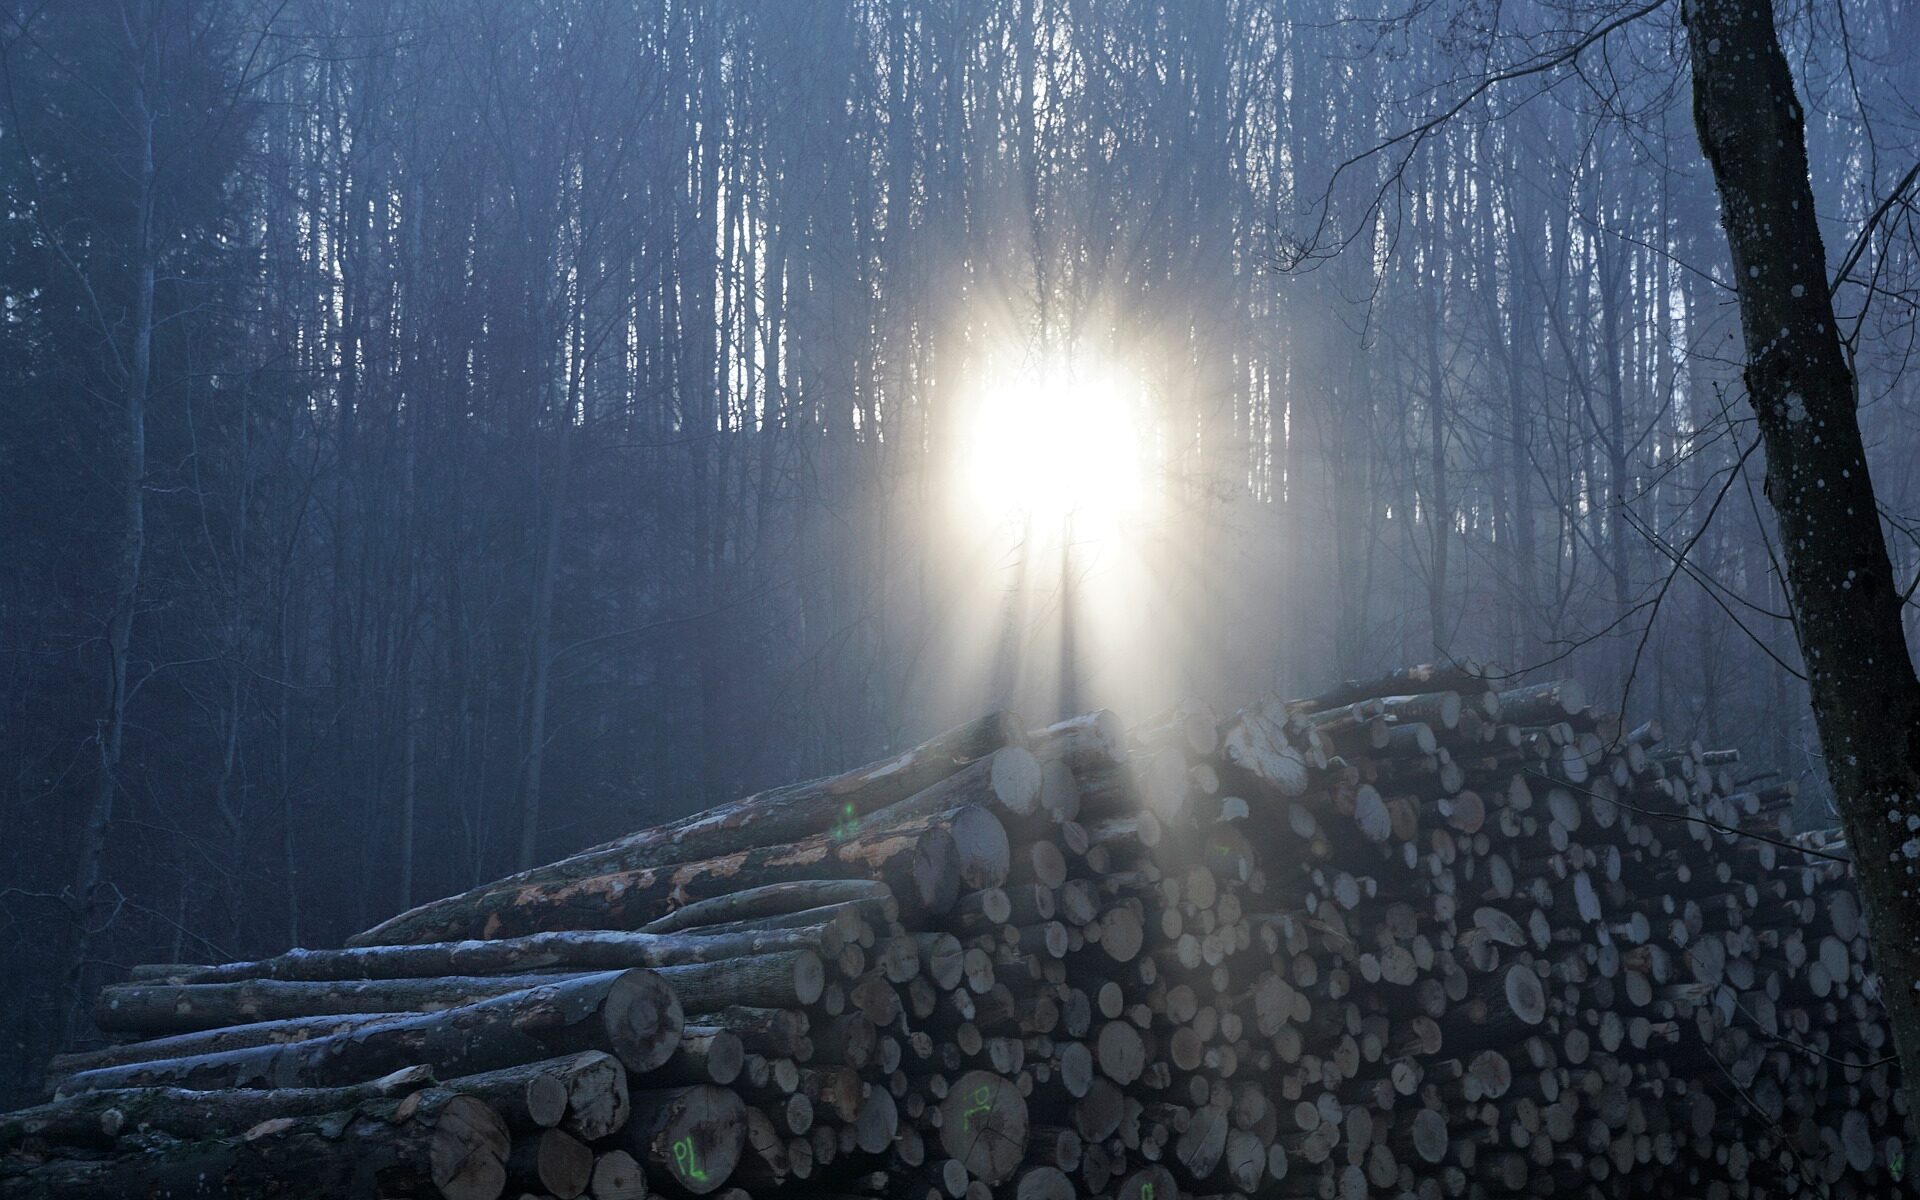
(110,737)
(1846,603)
(540,656)
(1439,502)
(1613,272)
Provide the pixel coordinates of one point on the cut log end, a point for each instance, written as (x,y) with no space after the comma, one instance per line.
(983,1124)
(643,1020)
(469,1150)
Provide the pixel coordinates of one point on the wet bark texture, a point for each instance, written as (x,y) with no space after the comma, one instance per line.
(1846,603)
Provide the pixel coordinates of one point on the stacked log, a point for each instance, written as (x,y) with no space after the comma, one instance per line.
(1414,937)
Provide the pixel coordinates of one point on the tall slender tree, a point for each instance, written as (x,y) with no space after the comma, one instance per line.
(1845,600)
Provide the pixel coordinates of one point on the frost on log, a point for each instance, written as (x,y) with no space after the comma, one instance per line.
(1413,937)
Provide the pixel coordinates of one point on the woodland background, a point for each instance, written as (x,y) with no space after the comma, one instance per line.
(543,418)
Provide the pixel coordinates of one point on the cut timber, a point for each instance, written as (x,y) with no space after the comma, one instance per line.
(1059,791)
(1043,1183)
(1426,1137)
(764,1160)
(707,1054)
(585,1094)
(98,1119)
(983,1123)
(1543,703)
(876,1121)
(528,1097)
(183,1008)
(772,900)
(942,958)
(1121,1053)
(1204,1142)
(790,814)
(1149,1183)
(791,979)
(1090,742)
(210,1041)
(617,1175)
(569,950)
(597,1101)
(1441,710)
(1423,977)
(1008,780)
(1255,741)
(917,861)
(688,1137)
(555,1162)
(431,1143)
(1427,677)
(1525,997)
(632,1015)
(771,1032)
(1191,726)
(981,850)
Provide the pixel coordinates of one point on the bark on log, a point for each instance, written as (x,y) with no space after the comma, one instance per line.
(584,1094)
(771,900)
(431,1143)
(561,951)
(1090,742)
(529,1097)
(918,862)
(1191,725)
(770,1032)
(1009,780)
(790,979)
(632,1015)
(1543,703)
(98,1119)
(183,1008)
(797,813)
(1254,740)
(1407,681)
(1390,974)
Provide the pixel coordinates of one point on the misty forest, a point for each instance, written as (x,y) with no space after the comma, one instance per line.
(1436,480)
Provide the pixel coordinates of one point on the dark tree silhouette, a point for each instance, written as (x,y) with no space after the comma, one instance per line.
(1845,600)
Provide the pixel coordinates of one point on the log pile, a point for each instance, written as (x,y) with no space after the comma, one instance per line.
(1413,937)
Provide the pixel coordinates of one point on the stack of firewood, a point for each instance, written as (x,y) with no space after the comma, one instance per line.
(1413,937)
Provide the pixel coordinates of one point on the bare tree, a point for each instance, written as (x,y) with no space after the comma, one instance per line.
(1845,600)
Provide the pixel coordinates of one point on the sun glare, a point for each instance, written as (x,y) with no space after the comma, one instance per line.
(1056,443)
(1057,527)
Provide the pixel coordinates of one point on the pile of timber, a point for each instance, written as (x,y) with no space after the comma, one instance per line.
(1413,937)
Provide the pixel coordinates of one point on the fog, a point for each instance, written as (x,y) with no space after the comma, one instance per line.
(441,434)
